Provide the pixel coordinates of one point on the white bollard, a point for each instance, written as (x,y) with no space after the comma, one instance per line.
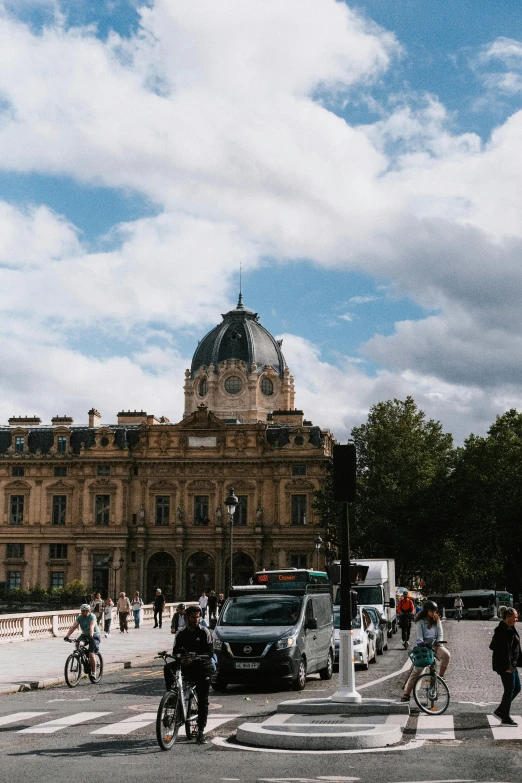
(347,691)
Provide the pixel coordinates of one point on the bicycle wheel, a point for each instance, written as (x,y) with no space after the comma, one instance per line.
(168,720)
(73,670)
(99,669)
(431,694)
(191,724)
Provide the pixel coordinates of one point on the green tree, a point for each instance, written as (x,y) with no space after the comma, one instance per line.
(403,465)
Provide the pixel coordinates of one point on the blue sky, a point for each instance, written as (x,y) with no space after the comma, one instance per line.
(359,160)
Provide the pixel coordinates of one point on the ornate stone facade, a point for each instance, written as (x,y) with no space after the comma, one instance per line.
(77,500)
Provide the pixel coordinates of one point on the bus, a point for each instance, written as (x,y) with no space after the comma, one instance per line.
(478,604)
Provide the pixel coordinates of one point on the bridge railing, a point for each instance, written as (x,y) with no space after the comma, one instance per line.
(41,625)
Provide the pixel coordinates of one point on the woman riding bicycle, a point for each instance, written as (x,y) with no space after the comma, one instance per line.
(405,610)
(429,632)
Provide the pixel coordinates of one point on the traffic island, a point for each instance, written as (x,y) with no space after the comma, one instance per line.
(322,724)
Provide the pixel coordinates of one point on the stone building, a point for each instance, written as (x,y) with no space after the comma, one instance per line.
(140,503)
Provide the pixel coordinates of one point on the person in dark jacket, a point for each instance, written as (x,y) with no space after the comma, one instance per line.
(507,655)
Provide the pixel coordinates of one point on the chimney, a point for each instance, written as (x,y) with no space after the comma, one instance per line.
(94,418)
(65,421)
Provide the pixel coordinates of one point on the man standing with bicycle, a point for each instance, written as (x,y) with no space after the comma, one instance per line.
(193,650)
(405,610)
(86,622)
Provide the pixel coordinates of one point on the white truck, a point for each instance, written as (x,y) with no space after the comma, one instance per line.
(378,589)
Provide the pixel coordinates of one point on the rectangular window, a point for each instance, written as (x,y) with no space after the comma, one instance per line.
(201,510)
(59,509)
(102,507)
(162,509)
(104,470)
(61,444)
(297,561)
(241,512)
(15,550)
(17,471)
(60,471)
(298,470)
(19,443)
(57,579)
(298,509)
(16,516)
(14,580)
(57,551)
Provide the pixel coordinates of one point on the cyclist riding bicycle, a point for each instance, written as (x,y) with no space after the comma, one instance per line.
(429,632)
(193,648)
(88,625)
(405,610)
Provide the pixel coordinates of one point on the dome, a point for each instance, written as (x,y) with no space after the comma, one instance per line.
(239,336)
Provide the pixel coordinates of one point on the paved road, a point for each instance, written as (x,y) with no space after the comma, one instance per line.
(95,733)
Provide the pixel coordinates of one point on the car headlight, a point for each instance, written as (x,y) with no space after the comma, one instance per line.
(357,641)
(282,644)
(218,644)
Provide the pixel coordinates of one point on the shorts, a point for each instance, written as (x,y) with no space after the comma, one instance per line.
(92,643)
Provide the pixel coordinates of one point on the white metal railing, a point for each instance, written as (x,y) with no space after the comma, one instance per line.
(39,625)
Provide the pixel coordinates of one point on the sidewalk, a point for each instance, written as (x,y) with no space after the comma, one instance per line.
(39,663)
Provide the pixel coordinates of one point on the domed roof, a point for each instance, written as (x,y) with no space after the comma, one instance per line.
(239,336)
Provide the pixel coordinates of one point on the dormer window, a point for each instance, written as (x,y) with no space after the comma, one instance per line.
(267,387)
(233,384)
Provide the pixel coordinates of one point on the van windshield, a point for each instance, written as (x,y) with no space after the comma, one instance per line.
(369,594)
(247,610)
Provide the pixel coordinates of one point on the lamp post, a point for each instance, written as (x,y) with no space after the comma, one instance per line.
(318,541)
(114,569)
(231,502)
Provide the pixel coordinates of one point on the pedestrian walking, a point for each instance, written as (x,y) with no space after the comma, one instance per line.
(159,606)
(107,615)
(136,605)
(221,601)
(212,605)
(124,606)
(178,619)
(507,655)
(97,607)
(203,601)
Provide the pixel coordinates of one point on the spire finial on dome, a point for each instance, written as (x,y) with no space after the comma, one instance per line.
(240,298)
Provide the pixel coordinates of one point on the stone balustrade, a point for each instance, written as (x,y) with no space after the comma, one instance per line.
(40,625)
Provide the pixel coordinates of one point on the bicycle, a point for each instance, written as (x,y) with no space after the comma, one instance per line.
(405,624)
(78,663)
(178,706)
(431,692)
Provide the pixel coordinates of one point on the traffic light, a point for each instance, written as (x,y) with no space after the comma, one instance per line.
(344,473)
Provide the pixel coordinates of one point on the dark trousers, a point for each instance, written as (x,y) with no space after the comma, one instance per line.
(201,680)
(405,624)
(123,621)
(511,683)
(158,617)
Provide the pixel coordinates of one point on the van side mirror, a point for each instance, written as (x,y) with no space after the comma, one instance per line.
(392,603)
(311,624)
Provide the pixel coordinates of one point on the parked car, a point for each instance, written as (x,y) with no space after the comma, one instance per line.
(364,650)
(381,629)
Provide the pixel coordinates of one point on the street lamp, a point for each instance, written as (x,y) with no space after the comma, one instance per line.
(115,569)
(231,502)
(318,541)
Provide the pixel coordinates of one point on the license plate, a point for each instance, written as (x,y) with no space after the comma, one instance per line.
(247,665)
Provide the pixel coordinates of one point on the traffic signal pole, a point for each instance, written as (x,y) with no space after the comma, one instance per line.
(344,489)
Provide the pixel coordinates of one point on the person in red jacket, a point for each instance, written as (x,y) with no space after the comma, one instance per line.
(406,611)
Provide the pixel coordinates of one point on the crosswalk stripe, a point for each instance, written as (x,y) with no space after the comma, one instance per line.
(129,724)
(435,727)
(504,732)
(214,722)
(49,727)
(19,716)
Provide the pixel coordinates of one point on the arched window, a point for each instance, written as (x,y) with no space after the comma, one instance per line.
(203,387)
(267,387)
(200,575)
(233,384)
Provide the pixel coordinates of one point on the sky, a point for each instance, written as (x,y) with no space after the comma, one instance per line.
(359,161)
